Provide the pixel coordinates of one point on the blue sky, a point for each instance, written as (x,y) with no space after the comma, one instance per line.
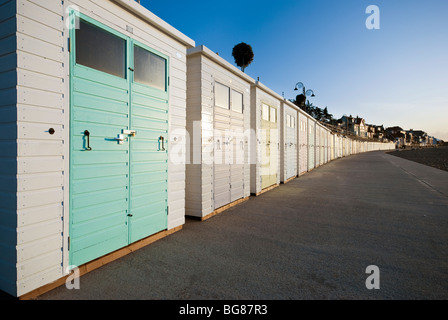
(397,75)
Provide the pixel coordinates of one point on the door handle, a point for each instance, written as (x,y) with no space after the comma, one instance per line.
(87,134)
(162,139)
(119,138)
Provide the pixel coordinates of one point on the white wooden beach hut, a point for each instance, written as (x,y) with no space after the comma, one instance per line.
(330,145)
(93,103)
(311,144)
(288,141)
(265,141)
(317,144)
(303,142)
(218,122)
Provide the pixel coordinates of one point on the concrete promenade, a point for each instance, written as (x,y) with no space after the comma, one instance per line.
(311,238)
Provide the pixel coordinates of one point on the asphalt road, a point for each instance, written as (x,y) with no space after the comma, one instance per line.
(312,238)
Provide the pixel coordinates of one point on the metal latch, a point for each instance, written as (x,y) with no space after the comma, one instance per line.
(130,132)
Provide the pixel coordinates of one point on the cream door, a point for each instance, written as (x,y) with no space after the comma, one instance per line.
(269,146)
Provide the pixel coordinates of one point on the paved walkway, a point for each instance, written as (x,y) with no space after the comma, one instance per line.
(309,239)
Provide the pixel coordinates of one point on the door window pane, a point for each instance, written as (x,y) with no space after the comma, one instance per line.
(149,68)
(222,96)
(265,112)
(237,101)
(273,116)
(100,50)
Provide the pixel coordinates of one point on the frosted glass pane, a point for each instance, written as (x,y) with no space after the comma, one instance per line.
(265,112)
(222,96)
(149,68)
(237,101)
(100,50)
(273,116)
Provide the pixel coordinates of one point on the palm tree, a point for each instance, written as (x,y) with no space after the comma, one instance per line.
(243,55)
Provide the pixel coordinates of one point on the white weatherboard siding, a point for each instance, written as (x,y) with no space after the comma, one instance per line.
(43,103)
(218,170)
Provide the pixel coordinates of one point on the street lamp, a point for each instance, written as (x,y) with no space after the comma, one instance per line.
(301,98)
(308,93)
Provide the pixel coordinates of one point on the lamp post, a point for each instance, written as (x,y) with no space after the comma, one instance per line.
(305,93)
(308,93)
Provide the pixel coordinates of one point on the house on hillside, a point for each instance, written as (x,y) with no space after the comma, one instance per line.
(370,130)
(379,132)
(416,137)
(354,125)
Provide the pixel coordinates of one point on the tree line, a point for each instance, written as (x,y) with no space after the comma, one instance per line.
(314,111)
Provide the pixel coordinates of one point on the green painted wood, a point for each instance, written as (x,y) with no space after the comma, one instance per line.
(149,162)
(118,192)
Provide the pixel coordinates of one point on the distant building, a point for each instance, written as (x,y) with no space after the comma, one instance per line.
(354,125)
(416,137)
(395,134)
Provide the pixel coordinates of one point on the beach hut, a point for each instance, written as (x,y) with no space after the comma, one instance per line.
(332,142)
(325,145)
(319,144)
(92,104)
(265,141)
(288,141)
(303,142)
(218,122)
(311,144)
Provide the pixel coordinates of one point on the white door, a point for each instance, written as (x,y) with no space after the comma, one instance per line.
(228,182)
(238,146)
(291,145)
(303,144)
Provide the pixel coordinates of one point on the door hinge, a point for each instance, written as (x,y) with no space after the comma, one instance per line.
(69,44)
(68,246)
(167,210)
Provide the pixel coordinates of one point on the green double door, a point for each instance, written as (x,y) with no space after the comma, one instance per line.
(118,141)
